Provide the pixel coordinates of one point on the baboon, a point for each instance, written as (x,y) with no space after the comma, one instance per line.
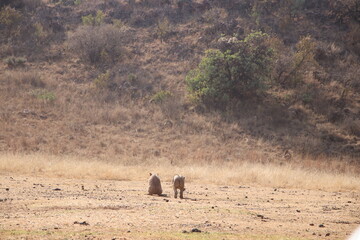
(154,185)
(178,183)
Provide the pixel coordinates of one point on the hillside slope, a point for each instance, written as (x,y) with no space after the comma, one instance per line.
(106,79)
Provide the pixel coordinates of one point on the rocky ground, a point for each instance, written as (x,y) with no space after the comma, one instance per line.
(53,208)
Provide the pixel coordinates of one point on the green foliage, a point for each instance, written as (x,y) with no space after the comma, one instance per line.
(44,95)
(91,20)
(225,75)
(303,60)
(102,80)
(160,96)
(13,62)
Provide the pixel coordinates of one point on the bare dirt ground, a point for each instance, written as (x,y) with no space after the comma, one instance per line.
(53,208)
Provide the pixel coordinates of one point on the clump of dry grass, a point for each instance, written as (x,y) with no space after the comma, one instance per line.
(227,173)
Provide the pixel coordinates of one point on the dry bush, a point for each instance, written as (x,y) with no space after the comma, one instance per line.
(27,78)
(352,126)
(353,36)
(345,10)
(32,5)
(98,44)
(14,62)
(171,107)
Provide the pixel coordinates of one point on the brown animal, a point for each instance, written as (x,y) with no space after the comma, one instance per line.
(154,185)
(178,183)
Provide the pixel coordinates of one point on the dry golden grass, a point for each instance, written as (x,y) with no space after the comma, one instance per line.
(226,173)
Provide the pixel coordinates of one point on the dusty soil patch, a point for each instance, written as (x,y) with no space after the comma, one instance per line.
(53,208)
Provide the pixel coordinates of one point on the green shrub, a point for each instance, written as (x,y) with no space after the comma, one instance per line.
(13,62)
(44,95)
(96,20)
(160,96)
(225,75)
(303,60)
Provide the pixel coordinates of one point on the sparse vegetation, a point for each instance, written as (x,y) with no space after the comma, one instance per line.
(14,62)
(98,44)
(129,67)
(43,94)
(95,90)
(91,20)
(102,80)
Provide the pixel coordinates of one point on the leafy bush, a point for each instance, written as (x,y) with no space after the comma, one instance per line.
(96,20)
(229,74)
(96,44)
(303,59)
(13,62)
(160,96)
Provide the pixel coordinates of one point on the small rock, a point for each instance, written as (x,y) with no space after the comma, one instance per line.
(328,234)
(297,210)
(196,230)
(166,200)
(311,224)
(7,189)
(321,225)
(184,231)
(57,189)
(82,223)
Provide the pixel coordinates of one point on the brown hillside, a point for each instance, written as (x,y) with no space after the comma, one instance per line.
(106,79)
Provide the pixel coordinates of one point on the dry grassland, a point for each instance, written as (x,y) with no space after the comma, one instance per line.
(255,174)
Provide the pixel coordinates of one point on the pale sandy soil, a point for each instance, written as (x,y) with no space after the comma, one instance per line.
(53,208)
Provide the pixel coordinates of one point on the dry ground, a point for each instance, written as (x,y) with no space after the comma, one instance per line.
(60,208)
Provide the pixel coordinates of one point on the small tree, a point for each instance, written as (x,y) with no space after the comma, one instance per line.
(230,74)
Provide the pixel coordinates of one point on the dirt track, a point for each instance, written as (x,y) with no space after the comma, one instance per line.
(50,208)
